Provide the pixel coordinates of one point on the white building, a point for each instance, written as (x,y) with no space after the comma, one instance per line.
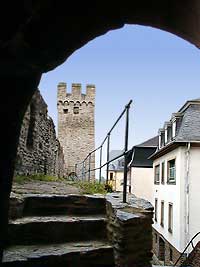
(176,189)
(116,171)
(141,169)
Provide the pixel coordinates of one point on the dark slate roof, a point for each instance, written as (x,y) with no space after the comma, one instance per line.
(189,129)
(152,142)
(141,156)
(142,152)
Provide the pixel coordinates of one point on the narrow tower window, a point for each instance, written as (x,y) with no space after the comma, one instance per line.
(76,110)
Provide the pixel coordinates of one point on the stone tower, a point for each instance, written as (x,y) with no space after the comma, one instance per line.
(76,126)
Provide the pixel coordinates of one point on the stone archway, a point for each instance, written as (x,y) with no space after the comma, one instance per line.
(41,35)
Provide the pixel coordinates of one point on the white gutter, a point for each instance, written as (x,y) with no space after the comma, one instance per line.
(187,199)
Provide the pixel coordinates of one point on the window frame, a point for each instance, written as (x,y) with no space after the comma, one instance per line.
(111,174)
(162,139)
(170,217)
(65,110)
(169,134)
(75,109)
(169,179)
(156,210)
(163,172)
(157,176)
(162,212)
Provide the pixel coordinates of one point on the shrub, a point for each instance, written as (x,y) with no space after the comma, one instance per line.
(91,187)
(94,187)
(108,188)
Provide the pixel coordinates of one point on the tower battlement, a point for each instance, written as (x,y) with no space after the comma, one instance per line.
(76,123)
(76,93)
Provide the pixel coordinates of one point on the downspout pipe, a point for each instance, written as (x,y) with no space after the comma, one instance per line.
(187,196)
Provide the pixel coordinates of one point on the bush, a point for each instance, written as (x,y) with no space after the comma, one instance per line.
(108,188)
(91,188)
(94,187)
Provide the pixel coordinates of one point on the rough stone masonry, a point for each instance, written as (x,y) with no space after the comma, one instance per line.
(39,151)
(76,127)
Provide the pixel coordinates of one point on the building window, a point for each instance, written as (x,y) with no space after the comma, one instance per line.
(76,110)
(171,171)
(65,110)
(163,173)
(174,129)
(170,254)
(162,214)
(169,134)
(157,174)
(170,218)
(156,238)
(111,176)
(156,209)
(162,139)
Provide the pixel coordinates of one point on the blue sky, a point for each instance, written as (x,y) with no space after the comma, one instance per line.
(156,69)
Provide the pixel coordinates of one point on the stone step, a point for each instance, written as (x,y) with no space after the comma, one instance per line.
(79,254)
(56,229)
(39,205)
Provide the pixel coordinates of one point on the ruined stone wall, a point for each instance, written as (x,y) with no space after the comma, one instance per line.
(76,126)
(39,151)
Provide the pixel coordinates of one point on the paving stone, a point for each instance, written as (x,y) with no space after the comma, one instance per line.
(86,253)
(37,230)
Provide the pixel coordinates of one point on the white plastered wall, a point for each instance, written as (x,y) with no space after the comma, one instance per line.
(171,193)
(194,193)
(142,183)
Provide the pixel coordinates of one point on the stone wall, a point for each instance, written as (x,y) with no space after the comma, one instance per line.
(76,126)
(39,151)
(164,252)
(130,230)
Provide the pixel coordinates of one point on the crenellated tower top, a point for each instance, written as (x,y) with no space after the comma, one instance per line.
(76,93)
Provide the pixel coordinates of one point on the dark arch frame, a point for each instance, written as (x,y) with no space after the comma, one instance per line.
(42,34)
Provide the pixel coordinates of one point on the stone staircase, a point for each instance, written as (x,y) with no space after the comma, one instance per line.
(53,230)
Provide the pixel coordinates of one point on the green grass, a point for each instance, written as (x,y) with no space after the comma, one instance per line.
(37,177)
(92,188)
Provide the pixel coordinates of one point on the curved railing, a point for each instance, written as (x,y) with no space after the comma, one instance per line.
(190,243)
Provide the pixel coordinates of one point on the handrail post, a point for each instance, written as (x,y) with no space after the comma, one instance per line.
(89,162)
(126,156)
(108,151)
(100,162)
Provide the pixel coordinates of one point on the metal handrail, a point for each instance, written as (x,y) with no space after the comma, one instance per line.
(190,243)
(108,161)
